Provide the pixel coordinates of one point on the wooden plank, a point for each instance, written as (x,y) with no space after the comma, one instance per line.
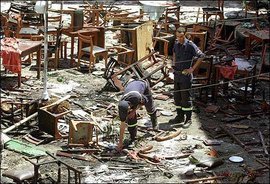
(144,34)
(233,136)
(20,123)
(263,142)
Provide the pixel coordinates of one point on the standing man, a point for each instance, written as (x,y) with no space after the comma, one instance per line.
(184,53)
(136,94)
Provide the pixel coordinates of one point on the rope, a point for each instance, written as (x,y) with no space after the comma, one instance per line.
(221,83)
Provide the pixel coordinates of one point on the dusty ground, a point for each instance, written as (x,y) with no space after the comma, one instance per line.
(87,91)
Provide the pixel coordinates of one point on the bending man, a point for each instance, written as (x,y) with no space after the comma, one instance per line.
(136,94)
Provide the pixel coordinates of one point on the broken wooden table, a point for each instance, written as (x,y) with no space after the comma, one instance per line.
(27,47)
(261,36)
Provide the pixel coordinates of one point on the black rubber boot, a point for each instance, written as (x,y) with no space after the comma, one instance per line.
(133,133)
(188,115)
(154,120)
(188,121)
(179,118)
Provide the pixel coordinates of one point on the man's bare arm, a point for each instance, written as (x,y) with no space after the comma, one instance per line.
(121,136)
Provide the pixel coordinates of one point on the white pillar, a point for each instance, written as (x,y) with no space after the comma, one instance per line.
(45,94)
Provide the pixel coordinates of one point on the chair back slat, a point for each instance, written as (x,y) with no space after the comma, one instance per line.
(59,35)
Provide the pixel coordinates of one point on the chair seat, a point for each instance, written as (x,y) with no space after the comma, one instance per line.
(51,48)
(170,20)
(209,9)
(50,29)
(96,49)
(86,46)
(29,30)
(20,174)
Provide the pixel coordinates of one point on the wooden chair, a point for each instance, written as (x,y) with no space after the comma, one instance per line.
(251,6)
(202,76)
(12,26)
(204,28)
(198,38)
(86,46)
(16,29)
(92,16)
(163,42)
(142,69)
(220,38)
(27,13)
(82,133)
(20,174)
(53,23)
(216,11)
(54,47)
(49,115)
(122,17)
(125,55)
(3,25)
(171,16)
(19,30)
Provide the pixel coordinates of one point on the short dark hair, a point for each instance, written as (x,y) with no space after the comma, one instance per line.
(181,30)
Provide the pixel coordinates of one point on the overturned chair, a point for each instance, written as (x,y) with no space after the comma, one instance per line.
(143,69)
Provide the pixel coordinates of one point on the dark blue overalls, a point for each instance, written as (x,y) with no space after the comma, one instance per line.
(137,93)
(184,55)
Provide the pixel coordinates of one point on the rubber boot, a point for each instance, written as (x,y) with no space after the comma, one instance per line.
(133,133)
(154,120)
(188,115)
(188,121)
(179,118)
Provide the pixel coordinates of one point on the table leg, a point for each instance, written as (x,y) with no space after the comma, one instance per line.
(72,48)
(263,53)
(253,81)
(19,79)
(246,88)
(248,49)
(216,80)
(38,62)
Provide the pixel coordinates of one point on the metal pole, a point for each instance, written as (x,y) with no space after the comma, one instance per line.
(45,95)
